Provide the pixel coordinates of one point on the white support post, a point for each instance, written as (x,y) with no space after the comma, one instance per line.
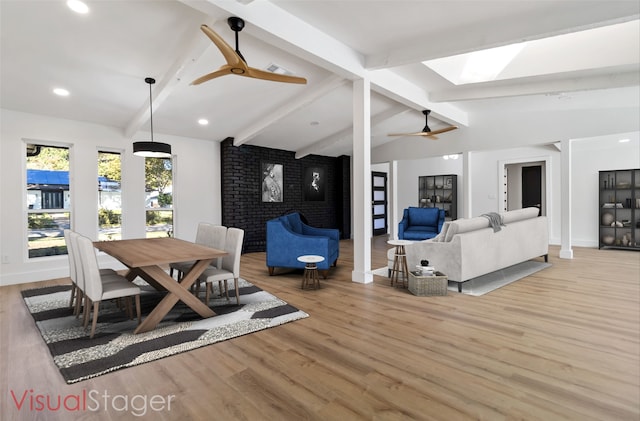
(362,181)
(466,186)
(566,251)
(392,199)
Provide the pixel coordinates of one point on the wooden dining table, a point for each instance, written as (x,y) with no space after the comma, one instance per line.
(145,257)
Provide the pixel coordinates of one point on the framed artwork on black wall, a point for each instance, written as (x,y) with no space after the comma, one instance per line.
(272,182)
(314,184)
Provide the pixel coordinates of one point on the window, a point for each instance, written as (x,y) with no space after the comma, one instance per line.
(109,196)
(48,199)
(159,197)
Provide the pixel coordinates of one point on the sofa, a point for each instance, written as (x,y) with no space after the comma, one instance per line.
(468,248)
(420,223)
(288,237)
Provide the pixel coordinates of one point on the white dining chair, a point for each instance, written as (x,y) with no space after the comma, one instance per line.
(75,272)
(99,287)
(75,291)
(207,235)
(230,267)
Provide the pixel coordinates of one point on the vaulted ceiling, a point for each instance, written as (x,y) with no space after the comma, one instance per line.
(581,79)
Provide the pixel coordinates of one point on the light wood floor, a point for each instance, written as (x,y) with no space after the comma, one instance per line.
(562,344)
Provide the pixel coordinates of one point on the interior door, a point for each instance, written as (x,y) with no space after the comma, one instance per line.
(532,187)
(379,202)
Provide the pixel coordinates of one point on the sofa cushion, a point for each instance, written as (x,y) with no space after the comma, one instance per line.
(420,228)
(465,225)
(419,235)
(519,215)
(423,216)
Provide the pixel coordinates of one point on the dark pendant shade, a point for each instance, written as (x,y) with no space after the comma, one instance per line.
(152,149)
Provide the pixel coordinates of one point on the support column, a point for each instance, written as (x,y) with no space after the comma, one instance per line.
(466,186)
(362,181)
(392,199)
(565,201)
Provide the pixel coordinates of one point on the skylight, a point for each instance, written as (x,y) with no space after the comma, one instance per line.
(617,45)
(486,65)
(478,66)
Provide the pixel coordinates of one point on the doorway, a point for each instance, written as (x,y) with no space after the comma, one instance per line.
(532,186)
(379,203)
(525,185)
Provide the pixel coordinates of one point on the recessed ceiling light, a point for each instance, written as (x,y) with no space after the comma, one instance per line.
(60,92)
(203,122)
(624,140)
(78,6)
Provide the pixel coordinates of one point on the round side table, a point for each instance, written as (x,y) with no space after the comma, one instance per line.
(399,261)
(310,275)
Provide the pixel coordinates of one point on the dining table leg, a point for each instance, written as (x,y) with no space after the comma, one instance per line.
(178,291)
(135,272)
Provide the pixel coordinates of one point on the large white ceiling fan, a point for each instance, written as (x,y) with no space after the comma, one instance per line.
(236,64)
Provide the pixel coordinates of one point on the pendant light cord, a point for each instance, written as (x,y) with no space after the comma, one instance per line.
(151,109)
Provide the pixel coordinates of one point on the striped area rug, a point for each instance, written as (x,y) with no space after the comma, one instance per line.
(114,345)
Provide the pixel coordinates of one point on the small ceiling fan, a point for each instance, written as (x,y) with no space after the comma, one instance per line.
(236,64)
(426,132)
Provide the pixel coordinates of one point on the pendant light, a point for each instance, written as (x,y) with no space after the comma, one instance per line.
(151,149)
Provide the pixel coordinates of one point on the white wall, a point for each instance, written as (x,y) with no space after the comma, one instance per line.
(196,187)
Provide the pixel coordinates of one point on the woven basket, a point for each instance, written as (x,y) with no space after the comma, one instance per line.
(428,285)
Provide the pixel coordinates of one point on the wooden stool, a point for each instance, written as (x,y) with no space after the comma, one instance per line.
(399,261)
(310,270)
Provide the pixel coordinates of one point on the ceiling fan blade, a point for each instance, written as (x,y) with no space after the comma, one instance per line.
(426,134)
(230,55)
(222,71)
(446,129)
(275,77)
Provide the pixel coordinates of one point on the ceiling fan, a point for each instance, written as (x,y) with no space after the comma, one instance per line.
(236,64)
(427,132)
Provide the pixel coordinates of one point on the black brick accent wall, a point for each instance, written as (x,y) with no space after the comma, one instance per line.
(242,204)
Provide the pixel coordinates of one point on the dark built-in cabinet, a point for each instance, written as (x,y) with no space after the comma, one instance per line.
(619,216)
(439,191)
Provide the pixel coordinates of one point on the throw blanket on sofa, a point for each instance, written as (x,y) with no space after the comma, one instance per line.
(495,220)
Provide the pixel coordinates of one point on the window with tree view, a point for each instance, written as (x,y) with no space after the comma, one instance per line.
(159,197)
(48,199)
(109,196)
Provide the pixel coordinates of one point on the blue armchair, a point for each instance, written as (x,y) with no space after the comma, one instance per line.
(288,237)
(420,223)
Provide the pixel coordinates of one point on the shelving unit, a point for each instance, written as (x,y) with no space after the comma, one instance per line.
(619,216)
(439,191)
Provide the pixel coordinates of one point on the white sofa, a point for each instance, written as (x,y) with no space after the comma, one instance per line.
(468,248)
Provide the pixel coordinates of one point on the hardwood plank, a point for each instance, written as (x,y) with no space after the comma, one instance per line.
(563,343)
